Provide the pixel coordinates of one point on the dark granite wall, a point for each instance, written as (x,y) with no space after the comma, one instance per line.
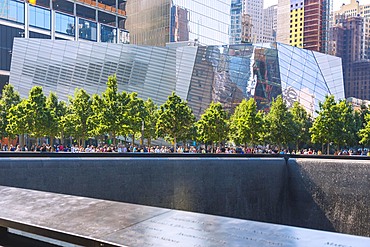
(248,188)
(332,195)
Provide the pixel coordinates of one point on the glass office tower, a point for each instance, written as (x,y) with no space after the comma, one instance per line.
(198,74)
(157,22)
(85,20)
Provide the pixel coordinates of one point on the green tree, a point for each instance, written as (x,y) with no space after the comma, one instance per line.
(349,124)
(280,126)
(37,112)
(136,115)
(19,120)
(109,114)
(57,111)
(75,122)
(363,121)
(175,119)
(336,123)
(9,98)
(302,124)
(150,121)
(35,115)
(213,125)
(364,133)
(246,124)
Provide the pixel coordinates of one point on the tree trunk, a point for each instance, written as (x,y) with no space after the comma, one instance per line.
(213,147)
(328,149)
(133,139)
(51,142)
(142,133)
(21,140)
(114,138)
(149,142)
(174,145)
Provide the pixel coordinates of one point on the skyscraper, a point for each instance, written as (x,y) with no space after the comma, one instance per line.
(269,24)
(352,9)
(308,22)
(254,8)
(236,26)
(350,41)
(157,22)
(99,21)
(251,23)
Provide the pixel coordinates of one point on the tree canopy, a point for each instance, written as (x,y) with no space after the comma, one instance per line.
(213,124)
(175,119)
(246,124)
(280,126)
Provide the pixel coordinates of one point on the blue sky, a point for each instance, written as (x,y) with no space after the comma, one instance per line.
(336,3)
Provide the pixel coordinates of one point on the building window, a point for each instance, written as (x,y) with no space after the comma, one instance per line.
(39,17)
(65,24)
(108,34)
(87,30)
(12,11)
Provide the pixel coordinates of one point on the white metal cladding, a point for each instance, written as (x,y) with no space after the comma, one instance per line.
(61,66)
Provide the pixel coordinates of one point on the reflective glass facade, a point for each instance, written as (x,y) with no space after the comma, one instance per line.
(65,24)
(209,20)
(87,20)
(198,74)
(12,10)
(87,30)
(39,17)
(157,22)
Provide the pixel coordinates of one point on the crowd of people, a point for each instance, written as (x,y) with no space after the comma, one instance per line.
(121,148)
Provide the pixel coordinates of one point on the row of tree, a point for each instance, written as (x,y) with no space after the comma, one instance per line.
(115,114)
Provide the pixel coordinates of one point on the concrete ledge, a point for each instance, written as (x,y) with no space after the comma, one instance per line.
(92,222)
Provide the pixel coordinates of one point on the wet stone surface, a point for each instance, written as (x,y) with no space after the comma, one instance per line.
(123,224)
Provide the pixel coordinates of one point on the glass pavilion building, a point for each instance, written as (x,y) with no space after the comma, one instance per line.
(198,74)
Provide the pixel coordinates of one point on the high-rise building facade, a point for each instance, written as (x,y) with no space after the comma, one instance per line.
(198,74)
(87,20)
(251,23)
(350,40)
(254,8)
(237,24)
(157,22)
(308,22)
(269,24)
(352,9)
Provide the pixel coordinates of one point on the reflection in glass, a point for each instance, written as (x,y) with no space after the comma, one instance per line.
(108,34)
(39,17)
(200,74)
(87,30)
(65,24)
(124,37)
(12,10)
